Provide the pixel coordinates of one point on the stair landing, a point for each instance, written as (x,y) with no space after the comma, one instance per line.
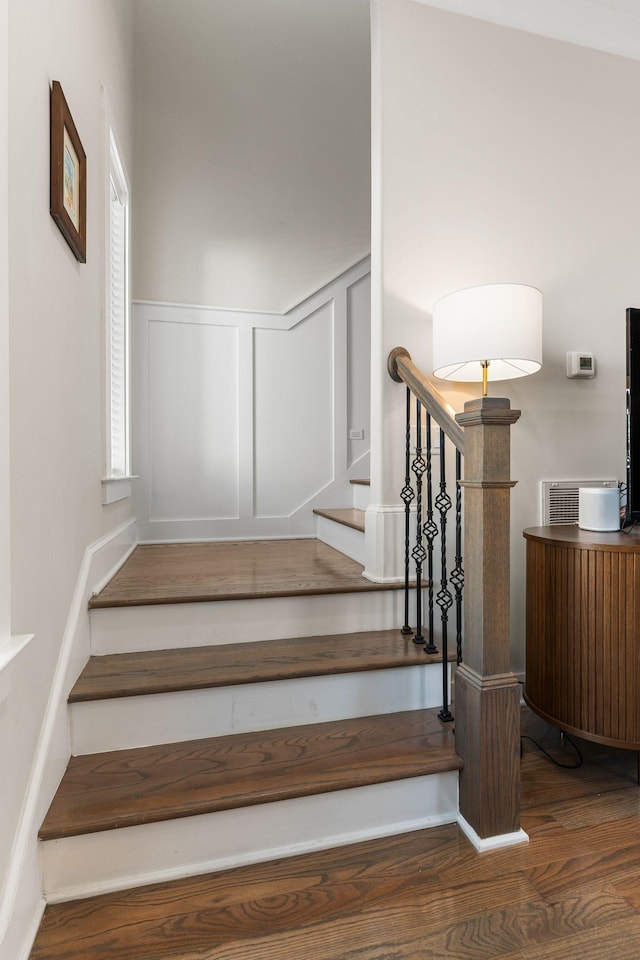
(237,570)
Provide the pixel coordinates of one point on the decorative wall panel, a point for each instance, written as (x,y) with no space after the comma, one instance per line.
(241,419)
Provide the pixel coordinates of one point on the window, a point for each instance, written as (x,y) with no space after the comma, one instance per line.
(117,484)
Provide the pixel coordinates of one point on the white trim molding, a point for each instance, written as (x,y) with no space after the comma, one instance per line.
(482,844)
(116,488)
(22,901)
(9,651)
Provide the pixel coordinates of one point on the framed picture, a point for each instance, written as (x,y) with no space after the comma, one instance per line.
(68,161)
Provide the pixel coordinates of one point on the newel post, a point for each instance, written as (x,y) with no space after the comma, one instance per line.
(487,697)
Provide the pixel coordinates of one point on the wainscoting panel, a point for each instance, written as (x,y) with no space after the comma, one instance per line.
(240,420)
(294,422)
(359,359)
(193,444)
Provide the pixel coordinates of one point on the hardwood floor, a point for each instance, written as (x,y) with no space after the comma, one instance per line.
(571,893)
(185,572)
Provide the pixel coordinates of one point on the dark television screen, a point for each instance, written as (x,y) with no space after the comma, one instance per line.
(633,414)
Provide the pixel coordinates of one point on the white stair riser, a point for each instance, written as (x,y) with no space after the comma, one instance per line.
(76,867)
(172,626)
(118,724)
(342,538)
(361,495)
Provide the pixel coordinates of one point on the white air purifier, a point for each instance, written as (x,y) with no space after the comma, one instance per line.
(599,508)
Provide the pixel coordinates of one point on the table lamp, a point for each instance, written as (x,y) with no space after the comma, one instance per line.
(494,329)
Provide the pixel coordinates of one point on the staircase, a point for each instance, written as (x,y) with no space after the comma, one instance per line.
(214,727)
(249,702)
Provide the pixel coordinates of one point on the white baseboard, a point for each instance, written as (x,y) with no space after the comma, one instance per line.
(10,651)
(491,843)
(22,951)
(21,898)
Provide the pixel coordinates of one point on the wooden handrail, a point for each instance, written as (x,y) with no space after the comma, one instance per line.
(402,369)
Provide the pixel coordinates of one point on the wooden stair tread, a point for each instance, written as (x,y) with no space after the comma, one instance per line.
(149,784)
(347,516)
(159,573)
(193,668)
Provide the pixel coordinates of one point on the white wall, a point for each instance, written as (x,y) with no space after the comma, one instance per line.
(251,149)
(242,418)
(508,157)
(57,388)
(5,513)
(612,25)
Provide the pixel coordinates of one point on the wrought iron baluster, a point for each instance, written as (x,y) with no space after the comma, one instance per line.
(443,597)
(407,496)
(430,531)
(418,553)
(457,575)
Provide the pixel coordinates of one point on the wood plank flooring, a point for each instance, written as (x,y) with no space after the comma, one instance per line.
(148,784)
(572,893)
(186,572)
(193,668)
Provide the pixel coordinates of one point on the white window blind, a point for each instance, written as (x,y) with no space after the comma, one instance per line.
(118,346)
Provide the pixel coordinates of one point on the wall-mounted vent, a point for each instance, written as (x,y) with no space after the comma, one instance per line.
(560,499)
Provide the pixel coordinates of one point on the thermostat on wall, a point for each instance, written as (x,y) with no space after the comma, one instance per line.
(580,365)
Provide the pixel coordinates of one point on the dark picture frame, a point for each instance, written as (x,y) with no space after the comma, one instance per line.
(68,171)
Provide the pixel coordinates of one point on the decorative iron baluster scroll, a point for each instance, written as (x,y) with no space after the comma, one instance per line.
(443,597)
(430,531)
(457,575)
(407,496)
(418,553)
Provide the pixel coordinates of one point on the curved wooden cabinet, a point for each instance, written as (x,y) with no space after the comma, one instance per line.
(583,632)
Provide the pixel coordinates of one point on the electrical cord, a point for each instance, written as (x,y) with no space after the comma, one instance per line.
(565,766)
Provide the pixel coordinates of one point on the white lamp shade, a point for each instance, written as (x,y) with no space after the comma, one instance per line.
(500,322)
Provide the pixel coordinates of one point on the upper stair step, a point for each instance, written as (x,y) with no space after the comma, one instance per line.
(342,529)
(361,494)
(169,573)
(167,696)
(348,516)
(195,668)
(102,792)
(199,594)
